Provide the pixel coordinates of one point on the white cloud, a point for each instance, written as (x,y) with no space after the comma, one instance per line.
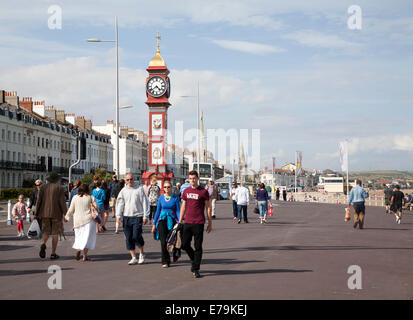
(317,39)
(249,47)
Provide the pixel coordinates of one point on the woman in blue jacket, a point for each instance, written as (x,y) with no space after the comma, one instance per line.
(166,216)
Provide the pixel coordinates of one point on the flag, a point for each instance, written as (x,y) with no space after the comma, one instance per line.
(299,159)
(344,155)
(273,163)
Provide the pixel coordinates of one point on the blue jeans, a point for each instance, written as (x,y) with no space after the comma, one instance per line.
(263,207)
(242,209)
(132,227)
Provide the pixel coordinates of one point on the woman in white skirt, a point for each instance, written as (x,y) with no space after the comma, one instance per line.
(83,209)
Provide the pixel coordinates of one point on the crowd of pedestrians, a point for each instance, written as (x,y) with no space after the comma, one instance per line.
(184,209)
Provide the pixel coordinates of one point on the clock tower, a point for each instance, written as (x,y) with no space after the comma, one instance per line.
(158,90)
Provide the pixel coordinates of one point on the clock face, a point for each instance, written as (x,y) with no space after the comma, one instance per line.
(156,86)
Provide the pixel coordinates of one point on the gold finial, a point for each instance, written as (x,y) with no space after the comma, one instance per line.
(158,37)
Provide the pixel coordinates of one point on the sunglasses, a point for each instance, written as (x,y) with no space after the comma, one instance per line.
(167,187)
(129,179)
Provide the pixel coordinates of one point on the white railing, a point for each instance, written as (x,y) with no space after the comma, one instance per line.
(373,200)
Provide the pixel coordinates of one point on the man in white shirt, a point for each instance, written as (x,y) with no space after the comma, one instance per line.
(242,197)
(133,205)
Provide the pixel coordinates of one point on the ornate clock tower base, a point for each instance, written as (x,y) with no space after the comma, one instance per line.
(158,89)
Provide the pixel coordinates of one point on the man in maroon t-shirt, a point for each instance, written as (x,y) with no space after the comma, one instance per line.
(195,201)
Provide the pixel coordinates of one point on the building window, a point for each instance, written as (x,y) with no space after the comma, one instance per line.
(3,134)
(8,135)
(14,139)
(19,137)
(24,139)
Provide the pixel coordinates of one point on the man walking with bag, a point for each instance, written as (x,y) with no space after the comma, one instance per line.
(358,196)
(195,200)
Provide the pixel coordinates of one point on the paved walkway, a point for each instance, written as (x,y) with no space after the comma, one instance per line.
(304,252)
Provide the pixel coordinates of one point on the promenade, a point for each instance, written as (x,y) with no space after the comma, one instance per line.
(304,252)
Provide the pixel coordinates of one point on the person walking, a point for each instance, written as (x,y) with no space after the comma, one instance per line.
(234,202)
(396,202)
(285,195)
(357,197)
(121,185)
(388,193)
(185,186)
(242,197)
(112,201)
(277,194)
(51,208)
(213,196)
(19,212)
(106,189)
(195,200)
(166,216)
(74,191)
(100,197)
(177,190)
(153,194)
(33,199)
(263,201)
(132,205)
(82,209)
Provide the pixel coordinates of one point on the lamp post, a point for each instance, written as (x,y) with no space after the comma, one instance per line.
(197,127)
(117,89)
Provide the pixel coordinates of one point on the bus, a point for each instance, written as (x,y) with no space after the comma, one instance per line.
(207,171)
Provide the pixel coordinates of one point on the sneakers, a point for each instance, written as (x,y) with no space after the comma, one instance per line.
(133,261)
(239,221)
(399,220)
(196,274)
(141,258)
(165,265)
(261,221)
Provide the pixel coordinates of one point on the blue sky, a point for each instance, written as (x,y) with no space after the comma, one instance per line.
(292,69)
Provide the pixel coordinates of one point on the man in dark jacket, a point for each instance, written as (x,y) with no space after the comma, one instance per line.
(51,208)
(113,187)
(33,199)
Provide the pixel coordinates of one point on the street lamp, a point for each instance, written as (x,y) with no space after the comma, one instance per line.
(197,127)
(117,89)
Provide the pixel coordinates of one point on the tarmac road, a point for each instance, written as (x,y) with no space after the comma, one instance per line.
(304,252)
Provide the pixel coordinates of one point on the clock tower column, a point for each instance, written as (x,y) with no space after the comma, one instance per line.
(158,90)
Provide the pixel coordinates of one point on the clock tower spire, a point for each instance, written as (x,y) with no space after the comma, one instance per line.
(158,89)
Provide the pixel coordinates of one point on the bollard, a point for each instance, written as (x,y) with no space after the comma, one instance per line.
(9,219)
(28,219)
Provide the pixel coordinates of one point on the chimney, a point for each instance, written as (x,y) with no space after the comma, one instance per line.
(1,96)
(80,122)
(39,107)
(70,117)
(88,124)
(60,115)
(27,104)
(11,98)
(50,112)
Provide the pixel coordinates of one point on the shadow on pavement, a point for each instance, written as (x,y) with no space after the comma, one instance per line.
(315,248)
(24,272)
(11,247)
(245,272)
(228,261)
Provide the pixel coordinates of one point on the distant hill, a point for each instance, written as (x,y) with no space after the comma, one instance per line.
(382,174)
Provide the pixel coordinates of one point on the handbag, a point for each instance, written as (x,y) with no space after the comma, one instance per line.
(256,210)
(347,216)
(34,230)
(270,211)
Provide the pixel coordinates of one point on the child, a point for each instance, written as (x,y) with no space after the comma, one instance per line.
(19,213)
(100,198)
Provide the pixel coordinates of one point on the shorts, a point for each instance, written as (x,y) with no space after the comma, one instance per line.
(52,226)
(101,210)
(112,202)
(359,207)
(396,208)
(106,207)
